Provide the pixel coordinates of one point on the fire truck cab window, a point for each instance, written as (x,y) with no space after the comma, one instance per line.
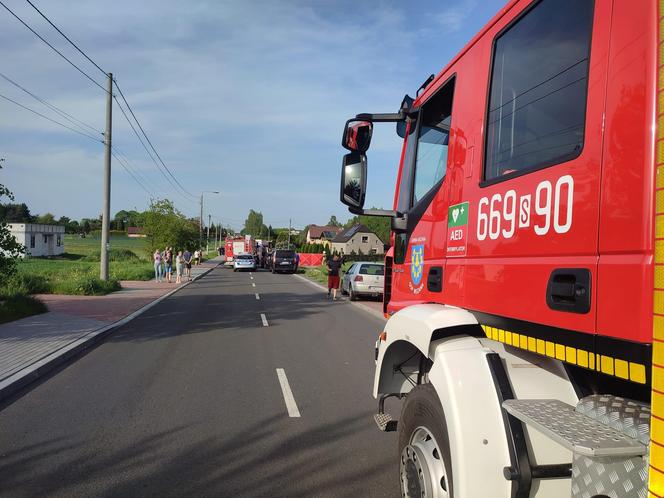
(537,101)
(432,143)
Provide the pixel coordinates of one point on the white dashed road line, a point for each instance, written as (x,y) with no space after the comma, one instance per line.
(291,405)
(258,298)
(253,284)
(265,324)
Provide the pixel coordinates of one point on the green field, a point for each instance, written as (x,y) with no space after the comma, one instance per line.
(77,271)
(92,244)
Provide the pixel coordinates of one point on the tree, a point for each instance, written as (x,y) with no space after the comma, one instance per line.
(253,225)
(168,227)
(15,213)
(10,249)
(334,222)
(45,219)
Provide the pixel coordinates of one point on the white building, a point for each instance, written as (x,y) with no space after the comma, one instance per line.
(38,239)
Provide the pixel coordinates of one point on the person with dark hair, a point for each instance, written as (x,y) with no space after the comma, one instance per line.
(333,269)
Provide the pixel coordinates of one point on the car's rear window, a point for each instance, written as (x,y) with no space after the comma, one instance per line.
(372,270)
(245,256)
(285,254)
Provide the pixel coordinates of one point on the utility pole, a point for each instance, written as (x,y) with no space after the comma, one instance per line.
(200,223)
(207,239)
(289,231)
(106,207)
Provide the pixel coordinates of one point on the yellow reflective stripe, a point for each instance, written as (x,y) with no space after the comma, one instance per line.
(609,365)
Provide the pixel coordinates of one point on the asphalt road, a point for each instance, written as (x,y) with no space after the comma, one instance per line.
(186,400)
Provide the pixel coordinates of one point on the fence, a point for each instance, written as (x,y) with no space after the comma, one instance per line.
(313,259)
(310,259)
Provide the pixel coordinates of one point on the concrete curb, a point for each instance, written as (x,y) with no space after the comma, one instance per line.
(367,309)
(34,371)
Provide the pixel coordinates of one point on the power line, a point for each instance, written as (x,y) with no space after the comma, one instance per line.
(126,168)
(66,37)
(138,172)
(148,150)
(50,119)
(52,47)
(65,115)
(149,142)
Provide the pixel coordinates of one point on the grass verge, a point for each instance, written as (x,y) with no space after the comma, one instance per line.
(17,306)
(318,274)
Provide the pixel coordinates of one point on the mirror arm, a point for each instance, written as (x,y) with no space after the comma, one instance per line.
(383,118)
(399,220)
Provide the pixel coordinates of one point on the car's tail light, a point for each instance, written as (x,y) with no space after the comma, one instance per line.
(358,278)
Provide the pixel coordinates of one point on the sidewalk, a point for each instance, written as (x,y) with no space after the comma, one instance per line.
(31,346)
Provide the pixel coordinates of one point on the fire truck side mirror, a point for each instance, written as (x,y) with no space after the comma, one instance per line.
(357,135)
(353,179)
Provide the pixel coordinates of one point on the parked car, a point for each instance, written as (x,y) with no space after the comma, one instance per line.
(244,262)
(364,278)
(283,261)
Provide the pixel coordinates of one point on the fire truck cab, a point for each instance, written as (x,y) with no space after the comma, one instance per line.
(524,285)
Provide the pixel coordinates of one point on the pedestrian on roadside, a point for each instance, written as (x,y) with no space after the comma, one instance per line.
(297,261)
(333,267)
(178,267)
(197,256)
(168,263)
(157,265)
(187,263)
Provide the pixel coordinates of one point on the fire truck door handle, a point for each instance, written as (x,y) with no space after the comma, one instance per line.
(568,290)
(435,279)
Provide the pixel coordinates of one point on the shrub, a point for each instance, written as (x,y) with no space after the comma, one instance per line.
(114,255)
(22,283)
(87,286)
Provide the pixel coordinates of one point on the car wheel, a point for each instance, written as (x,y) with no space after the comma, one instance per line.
(234,269)
(424,448)
(351,293)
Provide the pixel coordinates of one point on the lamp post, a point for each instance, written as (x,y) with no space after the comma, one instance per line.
(200,231)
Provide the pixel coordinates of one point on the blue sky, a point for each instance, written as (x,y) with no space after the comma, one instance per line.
(245,97)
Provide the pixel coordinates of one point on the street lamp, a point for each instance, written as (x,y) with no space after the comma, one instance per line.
(200,232)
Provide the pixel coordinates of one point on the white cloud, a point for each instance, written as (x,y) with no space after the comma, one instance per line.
(247,97)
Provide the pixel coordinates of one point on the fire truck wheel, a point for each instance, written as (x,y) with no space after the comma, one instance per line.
(424,448)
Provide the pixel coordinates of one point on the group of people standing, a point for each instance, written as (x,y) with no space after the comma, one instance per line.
(163,264)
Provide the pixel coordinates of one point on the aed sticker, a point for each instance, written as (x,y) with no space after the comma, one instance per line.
(457,230)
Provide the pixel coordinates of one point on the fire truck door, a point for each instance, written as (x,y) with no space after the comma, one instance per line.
(533,244)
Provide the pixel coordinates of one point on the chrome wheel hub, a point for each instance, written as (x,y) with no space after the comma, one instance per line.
(422,469)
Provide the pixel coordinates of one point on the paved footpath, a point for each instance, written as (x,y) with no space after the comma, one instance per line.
(32,345)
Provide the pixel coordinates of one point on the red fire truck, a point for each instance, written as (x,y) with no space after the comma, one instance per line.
(237,244)
(525,283)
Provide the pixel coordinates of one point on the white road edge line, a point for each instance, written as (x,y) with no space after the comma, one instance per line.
(291,405)
(265,324)
(258,298)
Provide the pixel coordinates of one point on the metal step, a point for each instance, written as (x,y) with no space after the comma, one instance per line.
(385,422)
(575,431)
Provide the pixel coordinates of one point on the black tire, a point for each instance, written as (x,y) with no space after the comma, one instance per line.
(351,293)
(234,269)
(423,410)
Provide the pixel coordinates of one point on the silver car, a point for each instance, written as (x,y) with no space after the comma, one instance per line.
(364,278)
(244,262)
